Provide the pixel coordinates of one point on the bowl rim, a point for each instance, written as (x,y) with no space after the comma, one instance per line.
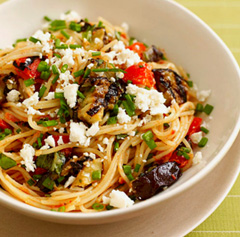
(38,212)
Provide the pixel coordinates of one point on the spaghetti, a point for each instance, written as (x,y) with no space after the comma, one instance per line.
(89,116)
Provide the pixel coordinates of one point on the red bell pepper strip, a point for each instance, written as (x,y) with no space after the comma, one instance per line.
(195,126)
(138,48)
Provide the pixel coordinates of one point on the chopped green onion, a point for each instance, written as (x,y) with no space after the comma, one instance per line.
(48,183)
(60,179)
(78,73)
(128,109)
(18,130)
(87,72)
(115,110)
(81,95)
(62,46)
(164,57)
(98,206)
(148,138)
(2,136)
(130,177)
(127,169)
(99,62)
(30,182)
(96,175)
(57,42)
(75,46)
(100,24)
(45,75)
(55,79)
(87,35)
(6,162)
(37,176)
(34,40)
(129,82)
(42,91)
(130,102)
(108,70)
(208,109)
(62,209)
(65,34)
(57,55)
(118,35)
(137,167)
(203,142)
(21,40)
(131,41)
(147,88)
(7,131)
(62,119)
(199,107)
(43,66)
(64,68)
(112,120)
(57,25)
(74,26)
(96,53)
(34,145)
(190,83)
(39,141)
(109,207)
(46,18)
(121,136)
(67,12)
(50,123)
(29,82)
(92,89)
(54,69)
(166,125)
(116,146)
(205,130)
(188,75)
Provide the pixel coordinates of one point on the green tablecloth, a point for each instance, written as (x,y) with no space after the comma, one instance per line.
(223,16)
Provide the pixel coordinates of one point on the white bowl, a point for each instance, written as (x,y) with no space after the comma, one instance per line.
(188,42)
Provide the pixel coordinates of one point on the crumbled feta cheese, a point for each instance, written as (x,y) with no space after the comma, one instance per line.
(13,96)
(132,133)
(65,79)
(61,130)
(45,38)
(50,96)
(122,116)
(86,154)
(78,133)
(33,111)
(119,199)
(112,79)
(27,153)
(90,65)
(93,130)
(203,95)
(71,16)
(106,200)
(92,155)
(125,26)
(45,147)
(197,158)
(32,100)
(70,94)
(67,56)
(148,100)
(120,74)
(97,40)
(105,141)
(196,137)
(145,120)
(60,141)
(69,181)
(50,141)
(100,148)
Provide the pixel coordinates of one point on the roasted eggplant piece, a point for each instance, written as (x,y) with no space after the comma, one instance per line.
(100,94)
(156,180)
(172,85)
(153,54)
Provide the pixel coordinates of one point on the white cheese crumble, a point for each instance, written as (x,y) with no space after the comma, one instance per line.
(70,16)
(100,148)
(145,100)
(60,141)
(50,96)
(92,131)
(97,40)
(70,94)
(196,137)
(13,96)
(61,130)
(203,95)
(78,133)
(45,38)
(69,181)
(125,26)
(122,116)
(197,158)
(27,153)
(119,199)
(106,200)
(105,141)
(45,147)
(67,56)
(31,101)
(65,78)
(50,141)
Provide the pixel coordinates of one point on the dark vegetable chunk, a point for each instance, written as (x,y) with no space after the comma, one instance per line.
(153,54)
(156,180)
(172,85)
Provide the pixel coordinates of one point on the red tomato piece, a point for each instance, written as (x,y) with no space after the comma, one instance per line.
(180,160)
(11,117)
(195,126)
(4,125)
(38,171)
(31,71)
(65,138)
(138,48)
(140,74)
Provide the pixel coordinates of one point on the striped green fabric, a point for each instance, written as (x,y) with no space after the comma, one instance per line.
(223,16)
